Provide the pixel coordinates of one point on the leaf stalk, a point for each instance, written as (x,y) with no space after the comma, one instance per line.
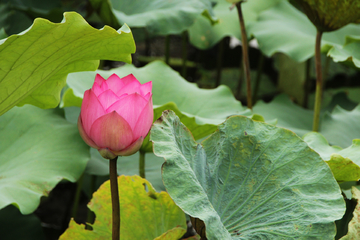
(115,200)
(142,164)
(319,82)
(246,61)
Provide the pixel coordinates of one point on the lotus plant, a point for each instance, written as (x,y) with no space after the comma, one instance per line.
(116,115)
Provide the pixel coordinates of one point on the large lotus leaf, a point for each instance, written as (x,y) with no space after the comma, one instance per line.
(320,145)
(203,35)
(38,149)
(340,127)
(14,225)
(200,109)
(283,28)
(144,213)
(344,163)
(249,180)
(329,15)
(34,65)
(159,17)
(354,224)
(288,114)
(351,50)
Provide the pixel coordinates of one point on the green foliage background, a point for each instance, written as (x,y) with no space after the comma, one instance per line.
(46,65)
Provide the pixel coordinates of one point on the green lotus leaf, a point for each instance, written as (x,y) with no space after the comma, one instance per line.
(200,109)
(288,114)
(203,35)
(293,34)
(344,163)
(248,180)
(36,154)
(34,65)
(159,17)
(340,126)
(159,214)
(354,224)
(320,145)
(344,169)
(330,15)
(351,50)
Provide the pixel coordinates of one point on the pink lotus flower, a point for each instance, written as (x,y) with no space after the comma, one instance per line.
(116,115)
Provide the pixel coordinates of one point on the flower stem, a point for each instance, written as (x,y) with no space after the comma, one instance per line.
(245,55)
(115,199)
(319,82)
(142,164)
